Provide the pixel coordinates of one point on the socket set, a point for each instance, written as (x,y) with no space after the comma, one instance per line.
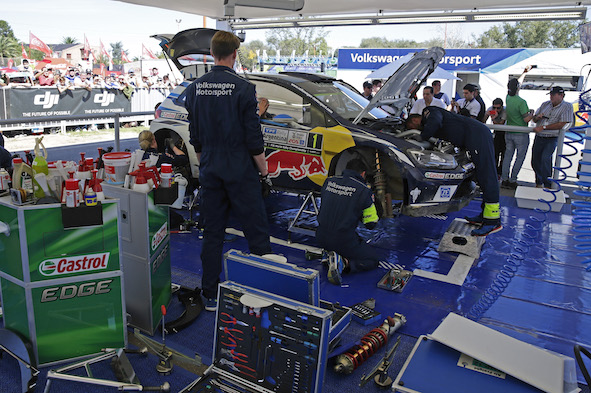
(265,343)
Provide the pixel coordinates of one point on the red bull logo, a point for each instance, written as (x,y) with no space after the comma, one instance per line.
(298,165)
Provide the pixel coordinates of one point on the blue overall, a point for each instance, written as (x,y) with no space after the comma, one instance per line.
(343,200)
(472,135)
(224,127)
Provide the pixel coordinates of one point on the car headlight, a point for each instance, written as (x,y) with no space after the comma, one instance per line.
(433,159)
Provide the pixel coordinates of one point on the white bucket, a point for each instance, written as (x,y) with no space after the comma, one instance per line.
(116,166)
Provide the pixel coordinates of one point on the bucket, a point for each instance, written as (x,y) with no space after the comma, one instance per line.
(116,166)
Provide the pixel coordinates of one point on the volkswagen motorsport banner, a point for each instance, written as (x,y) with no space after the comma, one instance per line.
(454,59)
(49,102)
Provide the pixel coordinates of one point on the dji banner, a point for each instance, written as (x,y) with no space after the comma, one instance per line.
(49,102)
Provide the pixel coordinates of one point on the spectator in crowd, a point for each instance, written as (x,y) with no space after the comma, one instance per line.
(498,115)
(167,83)
(132,78)
(482,112)
(437,93)
(98,82)
(550,117)
(427,100)
(45,77)
(26,67)
(376,85)
(61,84)
(145,83)
(516,143)
(154,76)
(467,106)
(367,86)
(83,81)
(70,76)
(111,82)
(3,79)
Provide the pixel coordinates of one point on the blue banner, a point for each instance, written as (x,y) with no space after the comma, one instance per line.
(454,59)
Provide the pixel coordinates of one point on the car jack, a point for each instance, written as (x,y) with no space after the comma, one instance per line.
(15,346)
(299,224)
(127,379)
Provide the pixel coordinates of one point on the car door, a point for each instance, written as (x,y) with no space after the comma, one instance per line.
(300,138)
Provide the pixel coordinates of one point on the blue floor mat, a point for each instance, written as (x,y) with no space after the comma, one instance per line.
(546,304)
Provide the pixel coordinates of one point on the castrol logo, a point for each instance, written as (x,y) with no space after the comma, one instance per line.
(159,236)
(74,264)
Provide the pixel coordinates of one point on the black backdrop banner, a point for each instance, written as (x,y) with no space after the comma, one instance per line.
(49,102)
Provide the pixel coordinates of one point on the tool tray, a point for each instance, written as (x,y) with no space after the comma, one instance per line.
(285,279)
(266,343)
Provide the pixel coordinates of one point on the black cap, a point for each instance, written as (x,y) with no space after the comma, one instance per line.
(557,90)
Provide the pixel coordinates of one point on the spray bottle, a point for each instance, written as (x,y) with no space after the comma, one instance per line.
(39,166)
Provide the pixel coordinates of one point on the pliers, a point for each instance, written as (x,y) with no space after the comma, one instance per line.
(232,320)
(241,357)
(239,367)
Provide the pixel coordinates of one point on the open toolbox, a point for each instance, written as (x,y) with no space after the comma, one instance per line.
(285,279)
(265,343)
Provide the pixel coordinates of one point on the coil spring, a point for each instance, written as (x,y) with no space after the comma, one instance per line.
(534,224)
(582,208)
(370,343)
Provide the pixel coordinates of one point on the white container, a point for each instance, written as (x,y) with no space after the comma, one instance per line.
(116,166)
(165,175)
(72,193)
(528,198)
(4,179)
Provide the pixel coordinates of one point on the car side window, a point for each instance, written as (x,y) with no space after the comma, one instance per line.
(285,102)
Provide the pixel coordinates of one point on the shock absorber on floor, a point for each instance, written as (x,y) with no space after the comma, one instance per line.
(380,183)
(370,343)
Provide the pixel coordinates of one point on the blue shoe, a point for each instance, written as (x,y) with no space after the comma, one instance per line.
(211,304)
(335,268)
(487,229)
(476,220)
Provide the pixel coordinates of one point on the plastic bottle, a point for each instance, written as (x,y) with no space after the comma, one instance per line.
(71,193)
(90,198)
(165,175)
(39,165)
(22,175)
(141,184)
(4,179)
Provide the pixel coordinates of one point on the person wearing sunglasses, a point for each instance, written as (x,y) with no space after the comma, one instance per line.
(497,115)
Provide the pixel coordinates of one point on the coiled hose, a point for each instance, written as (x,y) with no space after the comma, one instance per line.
(582,208)
(535,223)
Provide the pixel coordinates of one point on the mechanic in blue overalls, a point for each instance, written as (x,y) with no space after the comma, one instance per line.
(346,200)
(225,131)
(476,138)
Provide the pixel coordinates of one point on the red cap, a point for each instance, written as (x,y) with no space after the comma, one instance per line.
(17,160)
(71,184)
(166,168)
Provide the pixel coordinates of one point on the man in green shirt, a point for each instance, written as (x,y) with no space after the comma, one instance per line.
(518,114)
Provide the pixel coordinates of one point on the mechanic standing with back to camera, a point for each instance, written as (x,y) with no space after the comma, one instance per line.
(474,136)
(225,131)
(346,200)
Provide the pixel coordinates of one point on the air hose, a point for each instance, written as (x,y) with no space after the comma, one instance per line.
(535,223)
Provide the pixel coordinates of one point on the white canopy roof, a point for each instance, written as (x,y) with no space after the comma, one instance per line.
(215,8)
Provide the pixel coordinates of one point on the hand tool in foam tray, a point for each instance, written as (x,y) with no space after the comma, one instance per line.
(256,351)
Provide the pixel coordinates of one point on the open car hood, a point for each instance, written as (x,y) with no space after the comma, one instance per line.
(186,43)
(405,82)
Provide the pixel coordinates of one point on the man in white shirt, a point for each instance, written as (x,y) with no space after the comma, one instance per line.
(467,106)
(427,100)
(438,93)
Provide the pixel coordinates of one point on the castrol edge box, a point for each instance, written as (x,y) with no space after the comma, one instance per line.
(61,289)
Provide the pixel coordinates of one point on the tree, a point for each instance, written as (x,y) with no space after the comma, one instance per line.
(531,34)
(69,40)
(382,42)
(9,47)
(311,39)
(116,49)
(248,53)
(6,30)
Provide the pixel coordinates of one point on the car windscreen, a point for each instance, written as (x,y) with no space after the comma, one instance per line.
(341,99)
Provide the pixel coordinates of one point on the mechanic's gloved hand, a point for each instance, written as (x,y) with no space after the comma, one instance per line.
(168,142)
(266,185)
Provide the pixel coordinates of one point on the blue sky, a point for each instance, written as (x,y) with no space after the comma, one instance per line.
(113,21)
